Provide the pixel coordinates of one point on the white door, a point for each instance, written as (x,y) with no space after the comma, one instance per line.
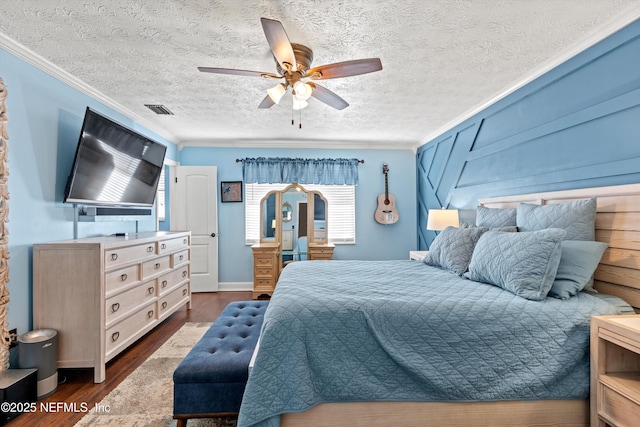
(194,206)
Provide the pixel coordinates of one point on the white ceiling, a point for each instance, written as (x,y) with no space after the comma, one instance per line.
(442,59)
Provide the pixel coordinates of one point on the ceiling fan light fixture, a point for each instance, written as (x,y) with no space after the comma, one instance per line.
(302,91)
(276,92)
(298,104)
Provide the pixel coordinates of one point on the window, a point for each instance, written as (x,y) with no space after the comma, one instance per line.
(341,210)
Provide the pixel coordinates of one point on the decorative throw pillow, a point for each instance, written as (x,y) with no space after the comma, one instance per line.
(453,247)
(495,217)
(578,262)
(522,263)
(576,218)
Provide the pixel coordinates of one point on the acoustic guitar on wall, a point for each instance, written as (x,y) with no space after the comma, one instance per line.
(386,212)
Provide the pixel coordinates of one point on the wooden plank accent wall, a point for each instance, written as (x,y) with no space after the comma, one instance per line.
(617,224)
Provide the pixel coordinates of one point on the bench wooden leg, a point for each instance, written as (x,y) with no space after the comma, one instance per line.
(182,422)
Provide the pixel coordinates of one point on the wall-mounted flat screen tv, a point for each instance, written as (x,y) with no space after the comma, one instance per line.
(113,165)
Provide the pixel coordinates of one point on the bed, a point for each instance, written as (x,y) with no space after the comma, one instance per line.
(404,343)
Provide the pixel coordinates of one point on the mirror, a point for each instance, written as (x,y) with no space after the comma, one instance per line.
(319,218)
(294,217)
(268,216)
(286,212)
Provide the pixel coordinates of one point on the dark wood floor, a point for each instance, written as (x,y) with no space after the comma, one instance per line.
(78,386)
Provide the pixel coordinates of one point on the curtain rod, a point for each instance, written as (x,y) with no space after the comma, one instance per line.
(240,161)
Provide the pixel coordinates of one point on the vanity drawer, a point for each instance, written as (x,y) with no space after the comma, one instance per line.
(121,256)
(264,261)
(121,278)
(171,280)
(121,304)
(156,266)
(120,334)
(262,271)
(172,245)
(179,258)
(169,301)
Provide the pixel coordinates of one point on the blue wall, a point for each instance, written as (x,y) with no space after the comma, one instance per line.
(373,241)
(576,126)
(44,121)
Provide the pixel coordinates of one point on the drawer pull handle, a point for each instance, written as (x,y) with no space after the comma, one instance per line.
(123,277)
(164,283)
(184,241)
(181,257)
(115,336)
(163,246)
(149,249)
(157,266)
(164,305)
(184,292)
(149,314)
(115,307)
(184,273)
(114,257)
(150,290)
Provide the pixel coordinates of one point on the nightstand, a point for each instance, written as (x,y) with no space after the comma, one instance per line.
(417,255)
(615,370)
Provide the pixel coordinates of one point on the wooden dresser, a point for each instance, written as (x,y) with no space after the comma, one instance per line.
(102,294)
(615,370)
(266,268)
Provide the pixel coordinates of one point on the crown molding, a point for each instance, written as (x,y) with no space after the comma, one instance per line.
(628,16)
(296,143)
(53,70)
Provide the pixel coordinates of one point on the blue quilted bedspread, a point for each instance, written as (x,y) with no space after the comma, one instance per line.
(402,330)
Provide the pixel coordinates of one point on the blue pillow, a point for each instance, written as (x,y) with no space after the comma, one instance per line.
(576,218)
(452,248)
(495,217)
(524,264)
(578,262)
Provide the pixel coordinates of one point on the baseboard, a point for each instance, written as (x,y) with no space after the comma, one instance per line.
(235,286)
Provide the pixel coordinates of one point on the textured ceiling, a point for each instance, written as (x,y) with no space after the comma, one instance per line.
(441,59)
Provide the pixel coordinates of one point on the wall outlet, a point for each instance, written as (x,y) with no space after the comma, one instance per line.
(13,334)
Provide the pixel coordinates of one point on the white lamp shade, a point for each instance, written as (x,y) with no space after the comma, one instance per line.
(273,223)
(299,105)
(276,92)
(439,219)
(302,91)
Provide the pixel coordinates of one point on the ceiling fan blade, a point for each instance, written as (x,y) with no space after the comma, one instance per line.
(267,102)
(323,94)
(279,43)
(236,72)
(345,69)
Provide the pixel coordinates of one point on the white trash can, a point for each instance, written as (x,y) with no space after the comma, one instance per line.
(39,349)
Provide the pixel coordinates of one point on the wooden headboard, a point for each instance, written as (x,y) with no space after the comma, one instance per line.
(617,223)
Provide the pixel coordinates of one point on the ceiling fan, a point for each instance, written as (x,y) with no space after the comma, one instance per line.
(293,62)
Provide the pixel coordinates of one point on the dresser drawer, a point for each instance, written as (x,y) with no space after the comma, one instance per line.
(122,304)
(121,333)
(156,266)
(122,278)
(263,272)
(616,408)
(172,245)
(169,301)
(179,258)
(171,280)
(121,256)
(263,284)
(264,261)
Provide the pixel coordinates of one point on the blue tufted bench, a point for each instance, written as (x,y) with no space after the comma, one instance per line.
(210,380)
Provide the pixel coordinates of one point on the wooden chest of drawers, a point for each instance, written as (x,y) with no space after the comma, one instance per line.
(102,294)
(266,268)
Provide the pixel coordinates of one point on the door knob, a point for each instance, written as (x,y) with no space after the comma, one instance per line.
(213,234)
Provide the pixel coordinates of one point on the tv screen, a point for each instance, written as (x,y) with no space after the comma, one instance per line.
(113,165)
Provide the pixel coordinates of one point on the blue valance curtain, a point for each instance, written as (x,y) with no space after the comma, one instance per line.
(271,170)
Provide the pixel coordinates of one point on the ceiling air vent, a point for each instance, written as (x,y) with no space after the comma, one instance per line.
(159,109)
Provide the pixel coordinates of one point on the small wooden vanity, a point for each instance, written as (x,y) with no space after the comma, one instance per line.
(293,227)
